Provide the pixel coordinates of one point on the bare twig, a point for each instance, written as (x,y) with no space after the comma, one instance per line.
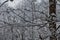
(3,3)
(58,27)
(21,17)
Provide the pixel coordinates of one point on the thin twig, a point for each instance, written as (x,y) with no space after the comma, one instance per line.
(3,3)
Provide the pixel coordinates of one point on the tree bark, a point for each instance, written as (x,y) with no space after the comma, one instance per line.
(52,15)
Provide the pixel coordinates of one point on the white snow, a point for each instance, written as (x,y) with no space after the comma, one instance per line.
(38,1)
(14,3)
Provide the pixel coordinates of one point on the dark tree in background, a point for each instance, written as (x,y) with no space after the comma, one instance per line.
(52,15)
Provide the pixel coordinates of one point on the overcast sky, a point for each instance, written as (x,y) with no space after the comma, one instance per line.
(16,3)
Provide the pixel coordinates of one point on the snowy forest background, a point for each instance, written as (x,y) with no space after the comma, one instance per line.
(26,20)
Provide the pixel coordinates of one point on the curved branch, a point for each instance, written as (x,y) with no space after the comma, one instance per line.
(3,3)
(21,17)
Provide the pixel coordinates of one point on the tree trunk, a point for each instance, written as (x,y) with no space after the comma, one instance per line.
(52,15)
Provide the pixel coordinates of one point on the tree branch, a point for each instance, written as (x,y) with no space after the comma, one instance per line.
(3,3)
